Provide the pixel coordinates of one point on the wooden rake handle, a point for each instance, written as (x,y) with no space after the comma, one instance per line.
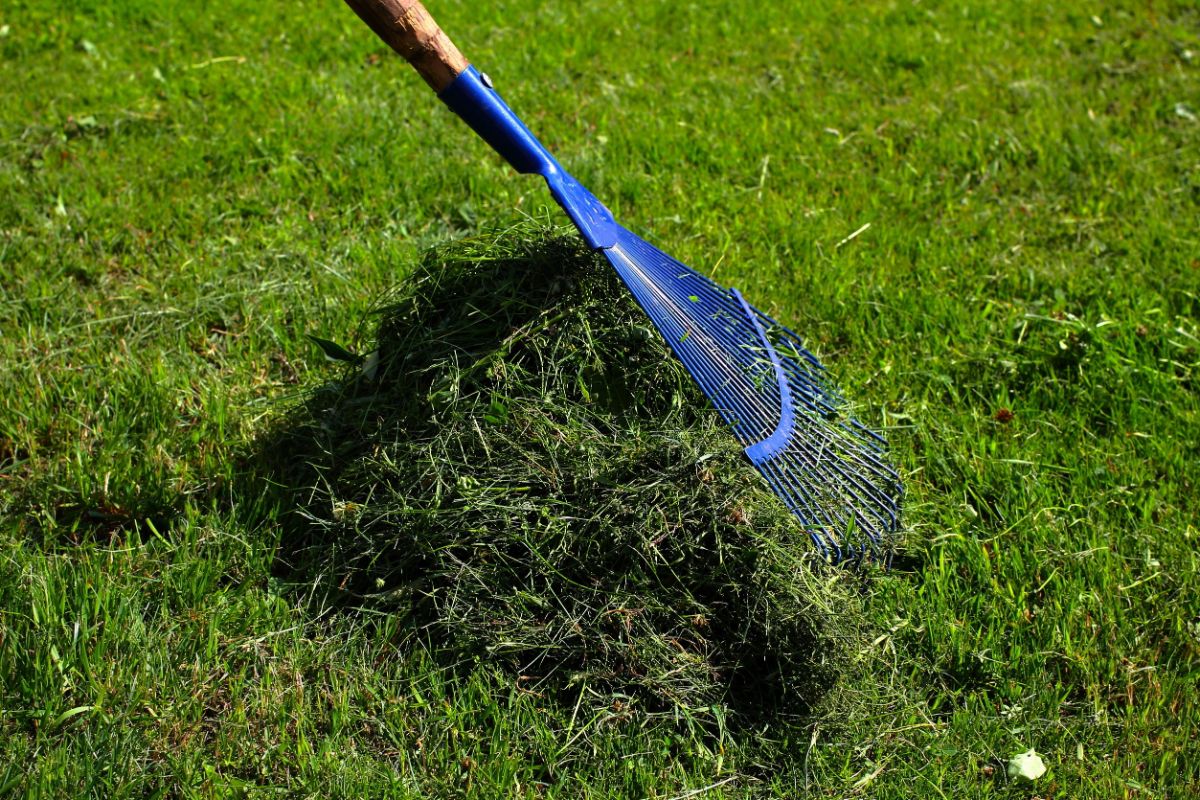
(408,29)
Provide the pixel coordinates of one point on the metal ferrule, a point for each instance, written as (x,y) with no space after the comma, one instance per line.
(472,98)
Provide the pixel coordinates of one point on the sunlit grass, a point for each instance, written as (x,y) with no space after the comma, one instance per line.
(188,192)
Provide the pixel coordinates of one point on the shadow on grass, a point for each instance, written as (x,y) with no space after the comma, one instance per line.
(51,516)
(525,475)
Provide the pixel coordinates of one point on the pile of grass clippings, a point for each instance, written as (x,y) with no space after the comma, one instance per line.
(525,471)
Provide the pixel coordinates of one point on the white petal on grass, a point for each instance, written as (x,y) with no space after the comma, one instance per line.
(1026,766)
(371,365)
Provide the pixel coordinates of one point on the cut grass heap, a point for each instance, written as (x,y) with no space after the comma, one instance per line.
(531,476)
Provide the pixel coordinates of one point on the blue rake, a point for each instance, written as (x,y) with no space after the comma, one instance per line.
(828,469)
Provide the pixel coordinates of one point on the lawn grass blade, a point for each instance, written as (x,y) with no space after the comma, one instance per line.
(828,468)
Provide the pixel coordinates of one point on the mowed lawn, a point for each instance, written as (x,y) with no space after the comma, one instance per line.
(189,190)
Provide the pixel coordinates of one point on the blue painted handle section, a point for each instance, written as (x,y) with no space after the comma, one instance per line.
(775,443)
(472,98)
(481,107)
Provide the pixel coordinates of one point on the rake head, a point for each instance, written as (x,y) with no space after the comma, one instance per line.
(827,467)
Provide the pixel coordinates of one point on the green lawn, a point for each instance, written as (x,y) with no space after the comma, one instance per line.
(187,191)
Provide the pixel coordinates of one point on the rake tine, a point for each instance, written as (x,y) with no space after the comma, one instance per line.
(794,487)
(867,495)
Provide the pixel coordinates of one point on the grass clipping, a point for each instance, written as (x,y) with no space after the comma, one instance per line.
(530,475)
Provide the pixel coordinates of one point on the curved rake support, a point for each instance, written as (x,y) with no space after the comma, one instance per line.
(777,442)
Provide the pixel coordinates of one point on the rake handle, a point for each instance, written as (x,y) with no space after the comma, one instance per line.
(408,29)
